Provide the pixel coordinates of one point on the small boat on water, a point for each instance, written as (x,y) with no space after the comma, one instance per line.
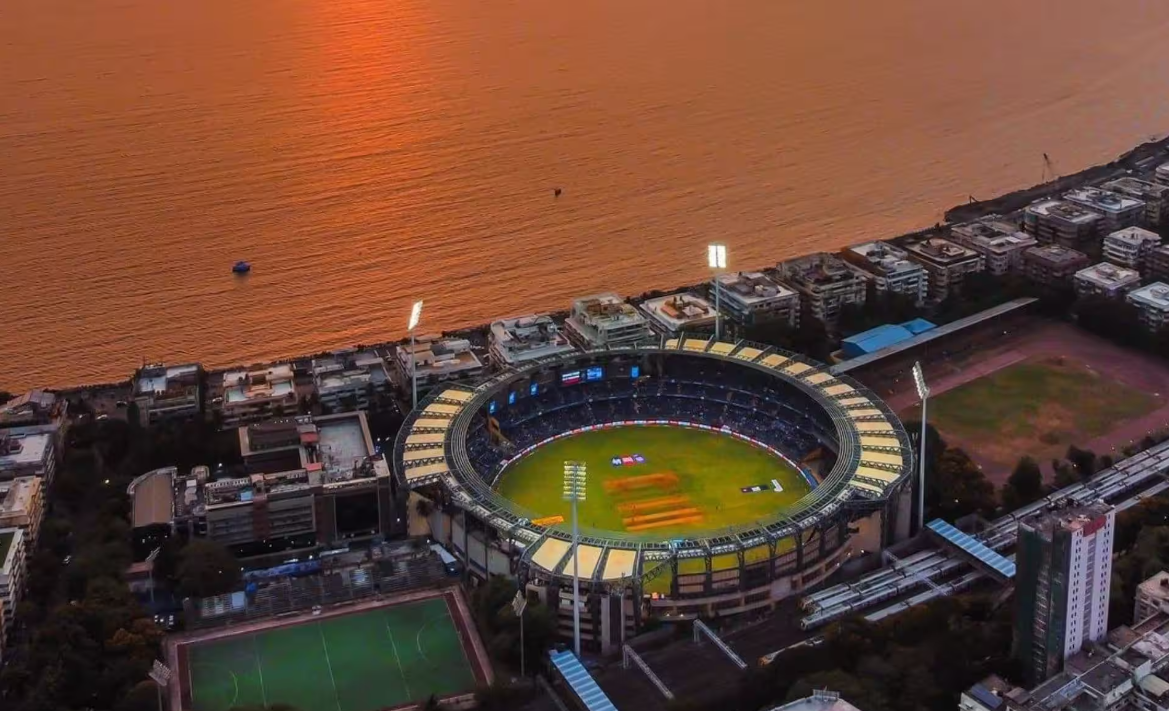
(241,267)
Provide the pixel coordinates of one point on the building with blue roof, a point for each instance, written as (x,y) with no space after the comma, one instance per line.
(875,339)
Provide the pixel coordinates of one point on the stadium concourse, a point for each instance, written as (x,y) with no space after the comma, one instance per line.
(832,435)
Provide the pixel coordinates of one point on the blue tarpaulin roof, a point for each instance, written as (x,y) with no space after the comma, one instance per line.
(582,683)
(972,546)
(918,325)
(874,339)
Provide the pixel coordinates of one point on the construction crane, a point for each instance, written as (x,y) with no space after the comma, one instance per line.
(1048,169)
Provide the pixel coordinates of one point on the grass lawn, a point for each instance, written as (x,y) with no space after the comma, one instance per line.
(701,475)
(360,662)
(1036,408)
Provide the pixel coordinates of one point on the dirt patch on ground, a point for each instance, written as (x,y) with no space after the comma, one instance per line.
(1089,392)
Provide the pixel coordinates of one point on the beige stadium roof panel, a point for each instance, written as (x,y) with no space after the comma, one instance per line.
(550,553)
(748,353)
(875,441)
(414,455)
(871,455)
(838,389)
(432,423)
(695,344)
(425,471)
(868,487)
(619,564)
(425,438)
(864,412)
(672,344)
(873,426)
(457,395)
(587,559)
(797,368)
(720,348)
(851,401)
(774,360)
(817,378)
(442,408)
(874,473)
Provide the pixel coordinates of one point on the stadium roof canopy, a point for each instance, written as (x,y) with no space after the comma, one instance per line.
(873,461)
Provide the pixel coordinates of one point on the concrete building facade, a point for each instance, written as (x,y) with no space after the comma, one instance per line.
(1116,211)
(680,312)
(518,340)
(1152,598)
(1106,280)
(29,451)
(889,268)
(22,505)
(1131,247)
(168,392)
(13,557)
(1053,264)
(753,297)
(257,394)
(349,379)
(947,262)
(440,360)
(1063,223)
(1152,302)
(825,283)
(606,320)
(1001,243)
(1155,197)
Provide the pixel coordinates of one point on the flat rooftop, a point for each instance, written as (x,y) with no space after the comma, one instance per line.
(752,287)
(993,234)
(7,536)
(678,311)
(1055,254)
(534,333)
(436,356)
(1069,519)
(1063,210)
(24,449)
(819,269)
(343,444)
(1155,295)
(347,370)
(1106,274)
(155,378)
(16,495)
(1102,200)
(939,249)
(266,383)
(1134,236)
(606,308)
(820,701)
(152,495)
(1135,187)
(881,258)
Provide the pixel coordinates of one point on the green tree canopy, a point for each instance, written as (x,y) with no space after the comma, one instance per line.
(1024,486)
(207,568)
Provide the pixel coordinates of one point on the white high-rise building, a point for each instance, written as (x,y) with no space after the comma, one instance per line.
(1064,560)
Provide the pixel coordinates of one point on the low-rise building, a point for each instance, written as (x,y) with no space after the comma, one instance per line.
(258,394)
(168,392)
(1152,598)
(820,700)
(1001,243)
(947,262)
(13,553)
(515,341)
(1117,211)
(349,379)
(679,312)
(1131,247)
(1155,196)
(1053,264)
(440,360)
(826,284)
(29,451)
(1157,263)
(1161,174)
(1152,301)
(22,506)
(889,268)
(753,297)
(1058,222)
(33,408)
(605,321)
(1106,280)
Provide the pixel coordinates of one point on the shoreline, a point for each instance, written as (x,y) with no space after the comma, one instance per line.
(1137,156)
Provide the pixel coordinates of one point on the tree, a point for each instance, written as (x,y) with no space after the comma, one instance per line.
(207,568)
(5,396)
(958,487)
(1065,474)
(1024,486)
(1084,461)
(143,696)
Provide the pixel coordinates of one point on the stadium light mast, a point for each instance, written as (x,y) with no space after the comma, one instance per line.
(575,476)
(415,317)
(923,392)
(716,259)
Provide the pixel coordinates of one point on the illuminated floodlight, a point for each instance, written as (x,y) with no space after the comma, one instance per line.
(923,390)
(716,256)
(415,316)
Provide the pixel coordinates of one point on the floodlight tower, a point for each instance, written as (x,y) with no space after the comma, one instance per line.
(923,392)
(575,476)
(716,259)
(415,317)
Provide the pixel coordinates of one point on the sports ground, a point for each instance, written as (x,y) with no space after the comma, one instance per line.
(672,480)
(365,661)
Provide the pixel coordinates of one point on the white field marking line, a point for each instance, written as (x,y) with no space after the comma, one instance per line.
(222,667)
(336,694)
(418,637)
(398,660)
(259,669)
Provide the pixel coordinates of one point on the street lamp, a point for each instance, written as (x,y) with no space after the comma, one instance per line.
(415,317)
(923,392)
(716,259)
(575,476)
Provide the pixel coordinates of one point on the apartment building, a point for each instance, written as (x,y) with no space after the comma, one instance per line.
(1152,598)
(1106,280)
(606,321)
(33,409)
(674,313)
(1152,301)
(1117,211)
(1161,174)
(826,283)
(1157,263)
(168,392)
(13,557)
(257,394)
(1053,264)
(1131,247)
(947,262)
(22,505)
(753,297)
(1064,223)
(889,268)
(440,360)
(29,451)
(1154,195)
(522,339)
(1001,243)
(349,379)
